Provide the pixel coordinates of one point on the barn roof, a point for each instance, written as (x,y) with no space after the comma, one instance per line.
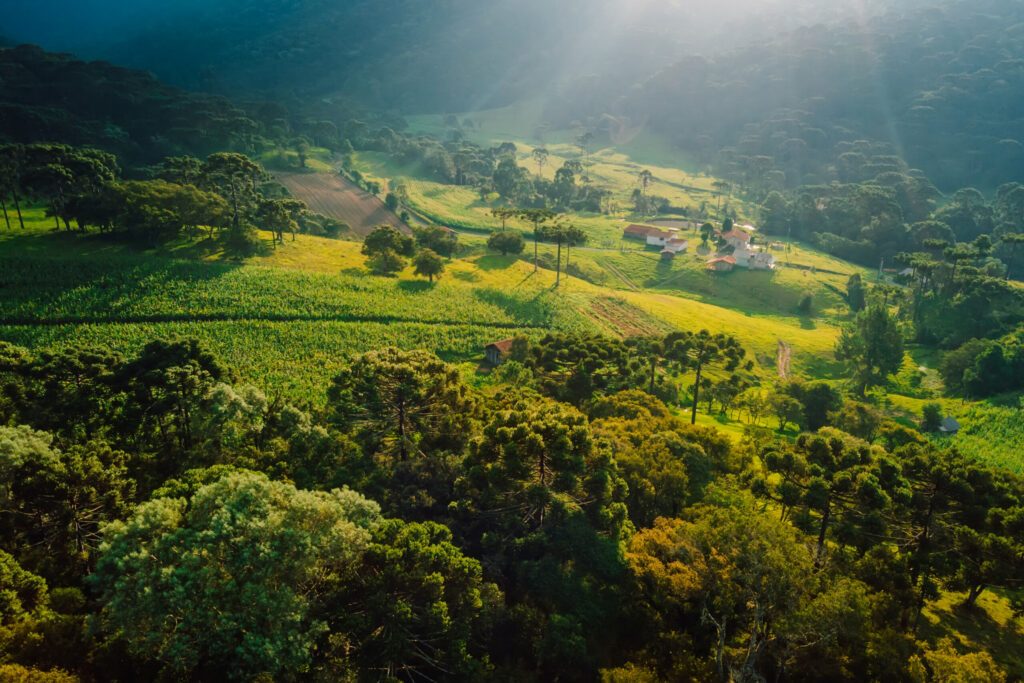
(641,230)
(737,234)
(504,346)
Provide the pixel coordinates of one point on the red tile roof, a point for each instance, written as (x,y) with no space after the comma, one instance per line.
(503,346)
(640,230)
(737,234)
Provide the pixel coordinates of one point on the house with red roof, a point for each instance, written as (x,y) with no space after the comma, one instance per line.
(722,264)
(638,232)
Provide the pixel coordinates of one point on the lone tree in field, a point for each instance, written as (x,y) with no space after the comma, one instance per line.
(507,242)
(503,214)
(584,141)
(539,218)
(872,347)
(540,156)
(574,237)
(645,178)
(428,264)
(387,238)
(702,350)
(855,294)
(386,262)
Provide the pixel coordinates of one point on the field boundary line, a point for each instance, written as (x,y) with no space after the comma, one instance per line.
(283,318)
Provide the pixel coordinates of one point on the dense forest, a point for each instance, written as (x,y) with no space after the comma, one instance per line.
(163,520)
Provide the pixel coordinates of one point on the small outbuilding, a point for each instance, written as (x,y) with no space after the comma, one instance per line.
(497,352)
(668,255)
(722,264)
(949,426)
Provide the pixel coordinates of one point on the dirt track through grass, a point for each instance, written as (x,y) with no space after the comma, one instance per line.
(336,197)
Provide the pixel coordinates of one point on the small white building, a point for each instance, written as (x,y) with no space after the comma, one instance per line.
(754,258)
(677,245)
(737,239)
(661,238)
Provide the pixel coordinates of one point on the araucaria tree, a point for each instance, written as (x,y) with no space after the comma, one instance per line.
(872,348)
(701,350)
(403,403)
(235,177)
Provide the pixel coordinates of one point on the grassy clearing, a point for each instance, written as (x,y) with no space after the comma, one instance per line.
(990,626)
(614,168)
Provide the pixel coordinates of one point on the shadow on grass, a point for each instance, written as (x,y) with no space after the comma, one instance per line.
(355,272)
(807,323)
(416,286)
(534,311)
(989,625)
(496,262)
(466,276)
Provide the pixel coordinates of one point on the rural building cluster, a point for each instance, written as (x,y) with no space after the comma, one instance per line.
(735,247)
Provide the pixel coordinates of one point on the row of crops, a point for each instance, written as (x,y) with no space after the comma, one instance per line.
(295,359)
(125,289)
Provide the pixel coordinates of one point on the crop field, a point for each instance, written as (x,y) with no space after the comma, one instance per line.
(335,197)
(993,434)
(296,359)
(284,326)
(288,319)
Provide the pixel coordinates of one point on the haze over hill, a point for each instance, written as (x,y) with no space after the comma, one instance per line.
(441,56)
(939,86)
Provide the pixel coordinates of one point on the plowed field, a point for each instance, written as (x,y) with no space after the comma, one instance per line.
(335,197)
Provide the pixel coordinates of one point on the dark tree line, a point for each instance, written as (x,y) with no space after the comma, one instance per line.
(416,527)
(226,195)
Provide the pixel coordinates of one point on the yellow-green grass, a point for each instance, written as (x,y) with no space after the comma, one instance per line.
(296,359)
(990,625)
(609,168)
(317,288)
(318,160)
(777,292)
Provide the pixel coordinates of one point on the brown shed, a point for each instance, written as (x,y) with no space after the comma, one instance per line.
(497,352)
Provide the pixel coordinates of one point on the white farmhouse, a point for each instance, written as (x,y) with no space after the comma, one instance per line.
(745,254)
(661,238)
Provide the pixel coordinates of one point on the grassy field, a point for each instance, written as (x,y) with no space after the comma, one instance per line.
(68,289)
(287,319)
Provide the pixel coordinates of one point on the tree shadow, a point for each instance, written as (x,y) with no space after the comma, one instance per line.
(496,262)
(416,286)
(979,627)
(807,323)
(354,271)
(535,311)
(466,276)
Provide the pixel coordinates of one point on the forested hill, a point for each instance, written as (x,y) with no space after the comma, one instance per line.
(439,56)
(941,86)
(47,97)
(777,95)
